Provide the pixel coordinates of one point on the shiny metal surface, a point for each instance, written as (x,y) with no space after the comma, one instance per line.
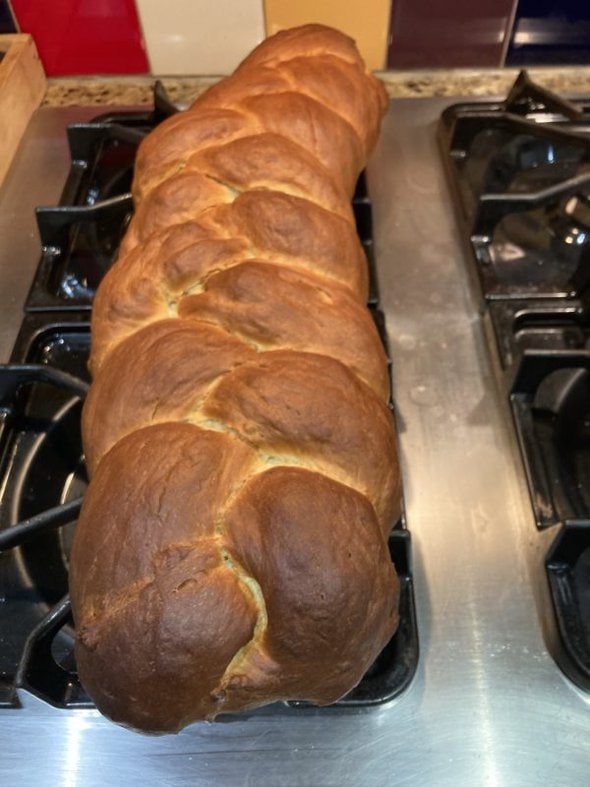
(488,705)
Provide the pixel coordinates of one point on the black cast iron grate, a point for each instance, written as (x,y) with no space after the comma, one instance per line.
(520,175)
(519,171)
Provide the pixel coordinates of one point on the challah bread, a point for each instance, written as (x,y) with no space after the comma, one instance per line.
(232,546)
(151,281)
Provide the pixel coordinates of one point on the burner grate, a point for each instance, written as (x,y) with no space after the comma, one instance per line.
(520,174)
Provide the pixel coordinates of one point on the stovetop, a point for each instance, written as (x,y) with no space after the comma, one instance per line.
(520,174)
(41,392)
(488,701)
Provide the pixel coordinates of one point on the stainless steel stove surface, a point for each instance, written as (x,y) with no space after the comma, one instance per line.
(488,703)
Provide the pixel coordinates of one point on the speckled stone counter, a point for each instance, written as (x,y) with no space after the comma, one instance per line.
(122,91)
(487,82)
(131,91)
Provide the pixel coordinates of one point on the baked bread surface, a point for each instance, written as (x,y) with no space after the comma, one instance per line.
(232,546)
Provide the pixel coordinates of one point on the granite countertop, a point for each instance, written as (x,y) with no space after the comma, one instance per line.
(137,90)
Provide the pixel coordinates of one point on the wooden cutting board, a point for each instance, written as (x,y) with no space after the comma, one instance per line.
(22,87)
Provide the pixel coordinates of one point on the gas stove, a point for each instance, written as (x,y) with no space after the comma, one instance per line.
(520,174)
(486,681)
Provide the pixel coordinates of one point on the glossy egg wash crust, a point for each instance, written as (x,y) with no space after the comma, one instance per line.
(232,546)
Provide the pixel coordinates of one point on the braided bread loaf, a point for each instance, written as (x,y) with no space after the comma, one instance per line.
(232,546)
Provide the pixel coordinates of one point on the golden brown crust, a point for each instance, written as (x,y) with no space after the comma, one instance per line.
(314,317)
(166,149)
(321,64)
(178,609)
(312,411)
(158,615)
(232,546)
(271,161)
(331,592)
(158,374)
(180,198)
(149,282)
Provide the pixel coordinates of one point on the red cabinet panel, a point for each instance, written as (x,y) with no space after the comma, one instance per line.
(84,36)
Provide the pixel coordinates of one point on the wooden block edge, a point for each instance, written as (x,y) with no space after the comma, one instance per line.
(22,87)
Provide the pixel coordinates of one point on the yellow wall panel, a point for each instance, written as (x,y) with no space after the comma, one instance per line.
(367,21)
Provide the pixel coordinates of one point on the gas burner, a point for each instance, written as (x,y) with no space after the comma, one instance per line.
(520,172)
